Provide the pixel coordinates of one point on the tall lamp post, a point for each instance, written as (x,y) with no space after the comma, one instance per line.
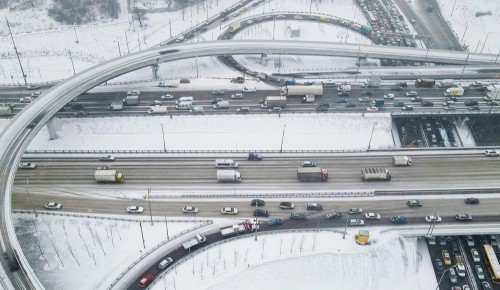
(282,138)
(442,275)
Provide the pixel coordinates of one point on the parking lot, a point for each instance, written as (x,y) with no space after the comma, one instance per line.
(426,132)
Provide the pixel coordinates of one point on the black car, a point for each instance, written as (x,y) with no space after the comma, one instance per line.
(451,98)
(326,105)
(298,216)
(367,93)
(471,103)
(343,94)
(454,246)
(215,101)
(439,266)
(414,203)
(257,202)
(471,200)
(322,109)
(341,100)
(402,84)
(399,220)
(427,104)
(396,88)
(314,206)
(287,205)
(260,212)
(254,156)
(350,105)
(77,107)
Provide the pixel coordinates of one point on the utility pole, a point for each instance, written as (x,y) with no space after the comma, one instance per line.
(282,138)
(76,36)
(72,64)
(119,49)
(467,59)
(369,143)
(170,26)
(484,43)
(163,133)
(126,39)
(17,54)
(149,202)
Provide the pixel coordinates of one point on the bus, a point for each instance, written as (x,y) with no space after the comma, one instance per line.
(492,263)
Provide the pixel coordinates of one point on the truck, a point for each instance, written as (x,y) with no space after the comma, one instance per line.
(131,100)
(234,230)
(308,99)
(116,106)
(274,101)
(5,110)
(234,26)
(198,239)
(457,91)
(365,30)
(228,176)
(312,174)
(157,109)
(378,102)
(425,83)
(344,88)
(401,161)
(315,90)
(108,176)
(373,82)
(373,174)
(446,83)
(290,82)
(222,105)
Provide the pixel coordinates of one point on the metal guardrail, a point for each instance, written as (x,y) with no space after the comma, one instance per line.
(269,195)
(154,249)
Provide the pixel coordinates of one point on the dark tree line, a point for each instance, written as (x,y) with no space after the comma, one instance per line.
(82,11)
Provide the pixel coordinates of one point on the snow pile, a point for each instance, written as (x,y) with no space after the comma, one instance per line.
(299,261)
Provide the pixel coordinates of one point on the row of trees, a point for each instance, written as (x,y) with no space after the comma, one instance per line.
(83,11)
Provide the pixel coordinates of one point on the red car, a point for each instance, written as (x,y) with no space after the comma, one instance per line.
(145,280)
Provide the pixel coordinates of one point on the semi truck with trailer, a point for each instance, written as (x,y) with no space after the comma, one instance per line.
(425,83)
(312,174)
(198,239)
(401,161)
(228,176)
(108,176)
(373,82)
(274,101)
(374,174)
(298,90)
(455,92)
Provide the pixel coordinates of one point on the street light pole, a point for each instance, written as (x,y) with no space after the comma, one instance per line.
(282,138)
(442,275)
(347,220)
(371,135)
(467,59)
(163,134)
(149,202)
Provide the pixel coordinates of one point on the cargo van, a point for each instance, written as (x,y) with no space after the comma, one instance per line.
(184,106)
(249,90)
(197,110)
(185,99)
(226,163)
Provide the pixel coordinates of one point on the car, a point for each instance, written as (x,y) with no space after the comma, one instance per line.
(165,262)
(446,257)
(298,216)
(36,94)
(416,99)
(367,94)
(229,210)
(463,217)
(414,203)
(474,108)
(314,206)
(257,202)
(408,108)
(465,287)
(453,275)
(26,99)
(439,266)
(297,17)
(107,158)
(477,84)
(491,153)
(215,101)
(287,205)
(308,164)
(333,215)
(133,93)
(145,280)
(372,216)
(479,272)
(135,209)
(350,105)
(396,88)
(398,104)
(428,127)
(27,165)
(471,200)
(77,106)
(321,109)
(280,16)
(355,210)
(167,97)
(260,212)
(399,220)
(486,285)
(475,255)
(53,205)
(275,222)
(190,209)
(471,103)
(389,97)
(364,99)
(156,102)
(32,87)
(402,84)
(341,101)
(487,98)
(185,81)
(451,98)
(238,96)
(326,105)
(254,156)
(343,94)
(275,110)
(450,108)
(356,222)
(431,240)
(492,103)
(243,110)
(433,219)
(372,109)
(411,94)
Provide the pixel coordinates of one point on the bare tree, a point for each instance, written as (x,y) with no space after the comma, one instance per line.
(139,15)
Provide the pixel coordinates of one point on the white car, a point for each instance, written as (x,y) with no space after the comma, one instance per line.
(433,219)
(167,97)
(475,255)
(27,165)
(411,94)
(135,209)
(356,222)
(491,153)
(26,99)
(372,109)
(389,96)
(53,205)
(133,93)
(372,216)
(190,209)
(33,87)
(229,210)
(297,17)
(36,94)
(355,210)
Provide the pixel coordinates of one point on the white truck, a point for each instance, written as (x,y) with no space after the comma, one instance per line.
(308,99)
(446,83)
(131,100)
(228,176)
(456,92)
(5,110)
(297,90)
(233,230)
(198,239)
(234,26)
(373,82)
(116,106)
(222,105)
(401,161)
(274,101)
(108,176)
(157,109)
(344,88)
(373,174)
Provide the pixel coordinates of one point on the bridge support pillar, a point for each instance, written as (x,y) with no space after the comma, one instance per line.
(154,69)
(51,129)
